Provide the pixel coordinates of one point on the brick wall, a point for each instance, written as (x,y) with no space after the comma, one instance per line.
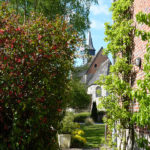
(139,45)
(139,51)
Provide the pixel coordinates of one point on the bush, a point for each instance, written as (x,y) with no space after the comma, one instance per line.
(94,114)
(79,99)
(100,116)
(80,117)
(89,121)
(68,125)
(35,62)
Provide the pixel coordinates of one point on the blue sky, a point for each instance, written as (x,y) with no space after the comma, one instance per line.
(99,14)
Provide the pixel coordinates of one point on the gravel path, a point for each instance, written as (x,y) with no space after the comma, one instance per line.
(104,146)
(87,149)
(81,149)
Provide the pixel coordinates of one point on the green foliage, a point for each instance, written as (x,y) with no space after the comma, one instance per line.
(141,94)
(119,37)
(68,124)
(143,143)
(35,61)
(80,117)
(77,70)
(75,11)
(108,142)
(94,114)
(89,121)
(79,99)
(78,141)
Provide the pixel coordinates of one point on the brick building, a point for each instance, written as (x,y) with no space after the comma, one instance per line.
(138,52)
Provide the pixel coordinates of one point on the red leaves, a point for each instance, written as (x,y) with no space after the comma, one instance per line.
(54,47)
(33,69)
(1,108)
(18,29)
(12,46)
(5,58)
(18,101)
(44,120)
(1,101)
(28,130)
(11,67)
(20,86)
(5,127)
(18,60)
(20,95)
(39,37)
(1,31)
(42,99)
(59,110)
(40,50)
(25,56)
(48,56)
(10,93)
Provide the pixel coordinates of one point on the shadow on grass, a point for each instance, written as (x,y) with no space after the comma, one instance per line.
(93,134)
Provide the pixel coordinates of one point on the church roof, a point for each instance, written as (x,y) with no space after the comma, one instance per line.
(103,69)
(90,42)
(99,65)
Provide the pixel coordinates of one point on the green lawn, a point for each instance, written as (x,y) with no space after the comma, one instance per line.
(93,134)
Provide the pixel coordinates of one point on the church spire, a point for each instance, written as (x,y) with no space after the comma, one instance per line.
(91,49)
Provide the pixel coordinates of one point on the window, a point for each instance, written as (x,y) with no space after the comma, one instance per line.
(95,65)
(98,91)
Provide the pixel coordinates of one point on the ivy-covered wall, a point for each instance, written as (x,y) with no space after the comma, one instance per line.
(128,103)
(139,45)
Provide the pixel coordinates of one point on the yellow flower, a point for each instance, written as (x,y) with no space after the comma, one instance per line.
(78,137)
(78,132)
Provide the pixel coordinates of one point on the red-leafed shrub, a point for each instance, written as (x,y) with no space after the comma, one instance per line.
(35,61)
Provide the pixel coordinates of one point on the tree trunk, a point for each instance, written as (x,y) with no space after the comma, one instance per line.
(124,139)
(132,137)
(121,138)
(25,11)
(35,5)
(17,6)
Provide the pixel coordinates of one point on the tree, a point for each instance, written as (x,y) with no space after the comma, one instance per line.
(119,36)
(79,99)
(74,11)
(141,94)
(94,114)
(118,82)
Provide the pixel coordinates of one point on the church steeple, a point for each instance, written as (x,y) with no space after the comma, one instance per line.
(91,49)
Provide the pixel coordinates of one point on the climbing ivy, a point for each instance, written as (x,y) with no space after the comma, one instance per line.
(119,36)
(142,94)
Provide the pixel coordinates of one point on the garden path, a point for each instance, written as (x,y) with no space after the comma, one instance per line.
(88,149)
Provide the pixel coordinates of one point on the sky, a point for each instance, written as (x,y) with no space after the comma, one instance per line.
(99,14)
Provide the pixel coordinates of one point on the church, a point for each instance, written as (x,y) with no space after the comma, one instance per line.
(98,65)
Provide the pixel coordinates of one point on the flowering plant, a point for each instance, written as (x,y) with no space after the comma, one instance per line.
(35,61)
(77,138)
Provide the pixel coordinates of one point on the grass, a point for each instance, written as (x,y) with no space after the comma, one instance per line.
(93,134)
